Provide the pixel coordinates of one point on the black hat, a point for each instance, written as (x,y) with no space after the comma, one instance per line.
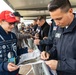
(17,14)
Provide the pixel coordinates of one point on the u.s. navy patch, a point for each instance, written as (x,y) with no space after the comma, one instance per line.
(57,35)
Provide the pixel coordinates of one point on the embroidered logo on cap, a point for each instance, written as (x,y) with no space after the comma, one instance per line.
(11,15)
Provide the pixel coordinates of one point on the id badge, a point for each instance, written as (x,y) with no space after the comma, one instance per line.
(11,57)
(12,60)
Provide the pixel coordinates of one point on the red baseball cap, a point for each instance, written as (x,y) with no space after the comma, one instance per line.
(7,16)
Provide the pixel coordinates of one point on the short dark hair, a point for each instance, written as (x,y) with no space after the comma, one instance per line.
(41,17)
(35,20)
(62,4)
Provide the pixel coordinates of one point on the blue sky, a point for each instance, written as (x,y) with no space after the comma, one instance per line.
(4,6)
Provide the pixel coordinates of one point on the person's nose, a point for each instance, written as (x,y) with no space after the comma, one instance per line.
(57,22)
(12,25)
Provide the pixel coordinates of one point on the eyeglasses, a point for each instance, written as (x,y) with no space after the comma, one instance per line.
(11,23)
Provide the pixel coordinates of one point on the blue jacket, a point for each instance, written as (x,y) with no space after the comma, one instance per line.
(64,50)
(8,45)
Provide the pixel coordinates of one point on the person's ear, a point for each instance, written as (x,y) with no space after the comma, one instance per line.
(70,10)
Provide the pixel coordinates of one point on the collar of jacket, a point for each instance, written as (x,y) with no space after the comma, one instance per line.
(71,27)
(45,24)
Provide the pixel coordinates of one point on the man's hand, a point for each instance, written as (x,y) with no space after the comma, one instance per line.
(45,55)
(12,67)
(45,37)
(30,50)
(36,36)
(36,41)
(52,64)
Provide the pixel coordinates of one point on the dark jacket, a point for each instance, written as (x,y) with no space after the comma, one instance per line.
(51,35)
(44,30)
(8,44)
(65,50)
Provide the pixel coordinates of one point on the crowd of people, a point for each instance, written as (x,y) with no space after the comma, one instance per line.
(56,41)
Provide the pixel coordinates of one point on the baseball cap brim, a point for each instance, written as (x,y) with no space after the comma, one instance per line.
(17,14)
